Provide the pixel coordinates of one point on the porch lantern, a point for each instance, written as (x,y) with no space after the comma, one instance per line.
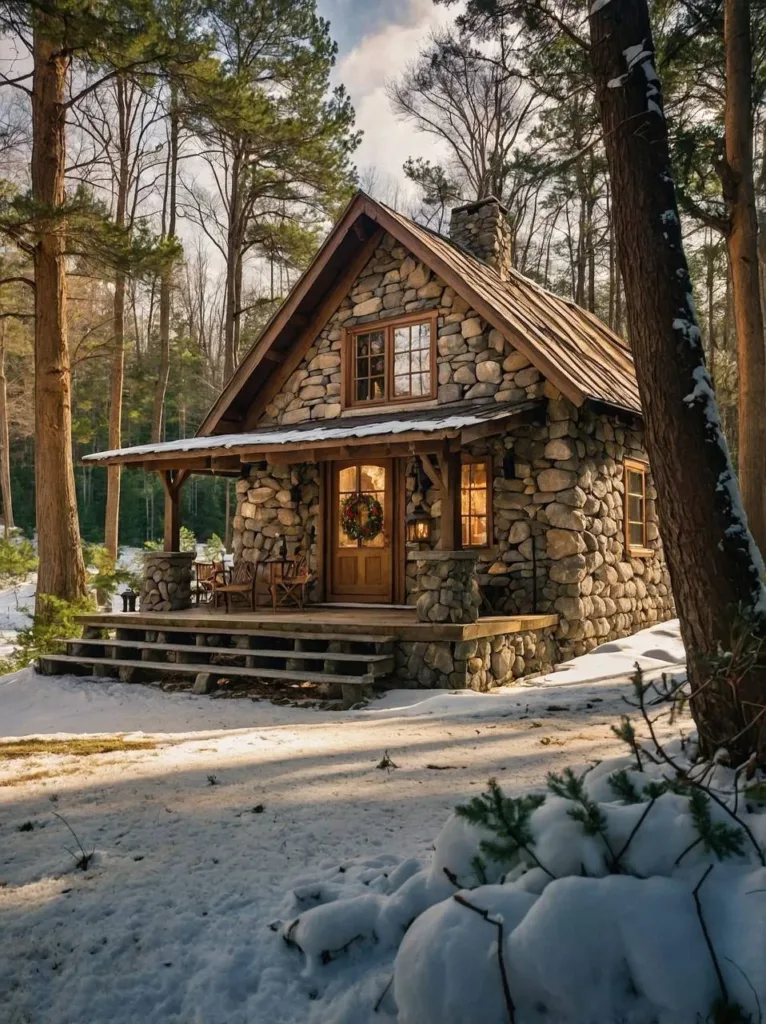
(419,526)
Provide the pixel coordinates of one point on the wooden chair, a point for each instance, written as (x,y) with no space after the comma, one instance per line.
(204,575)
(241,583)
(289,580)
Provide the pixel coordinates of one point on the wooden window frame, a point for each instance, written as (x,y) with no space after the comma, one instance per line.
(642,468)
(387,326)
(488,462)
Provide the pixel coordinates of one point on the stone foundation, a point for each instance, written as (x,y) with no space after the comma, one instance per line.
(446,589)
(166,586)
(475,664)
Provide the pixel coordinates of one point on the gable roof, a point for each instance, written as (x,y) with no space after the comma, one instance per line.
(571,347)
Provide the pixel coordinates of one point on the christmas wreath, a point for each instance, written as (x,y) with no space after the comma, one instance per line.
(361,517)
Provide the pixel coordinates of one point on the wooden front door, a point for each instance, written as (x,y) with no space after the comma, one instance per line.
(362,570)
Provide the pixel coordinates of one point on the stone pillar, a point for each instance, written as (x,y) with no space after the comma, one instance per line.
(166,586)
(446,588)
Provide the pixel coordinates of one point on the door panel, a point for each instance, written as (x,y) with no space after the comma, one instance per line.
(361,570)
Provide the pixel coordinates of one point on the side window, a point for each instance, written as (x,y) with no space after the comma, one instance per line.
(635,507)
(476,502)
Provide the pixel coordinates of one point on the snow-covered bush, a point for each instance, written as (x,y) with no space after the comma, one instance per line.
(633,893)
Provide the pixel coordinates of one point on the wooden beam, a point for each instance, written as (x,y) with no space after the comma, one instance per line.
(171,483)
(436,478)
(451,537)
(360,451)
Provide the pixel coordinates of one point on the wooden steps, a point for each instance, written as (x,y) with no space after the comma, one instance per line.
(346,665)
(384,661)
(175,668)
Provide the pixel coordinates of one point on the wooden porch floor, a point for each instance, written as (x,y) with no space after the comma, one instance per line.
(394,622)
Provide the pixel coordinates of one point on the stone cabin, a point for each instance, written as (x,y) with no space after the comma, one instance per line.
(497,427)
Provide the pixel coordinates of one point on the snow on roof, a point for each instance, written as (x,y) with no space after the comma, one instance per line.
(445,419)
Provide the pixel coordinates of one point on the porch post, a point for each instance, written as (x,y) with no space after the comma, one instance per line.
(451,535)
(171,484)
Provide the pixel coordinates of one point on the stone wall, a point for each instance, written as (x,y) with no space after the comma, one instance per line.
(276,503)
(166,583)
(476,664)
(559,544)
(446,588)
(474,361)
(567,500)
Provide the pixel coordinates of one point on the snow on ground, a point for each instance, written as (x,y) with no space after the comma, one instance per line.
(202,841)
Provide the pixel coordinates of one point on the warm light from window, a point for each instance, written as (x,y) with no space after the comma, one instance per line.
(474,503)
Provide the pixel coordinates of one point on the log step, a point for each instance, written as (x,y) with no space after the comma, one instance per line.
(237,652)
(175,668)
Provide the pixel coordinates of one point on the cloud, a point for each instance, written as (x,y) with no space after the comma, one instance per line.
(365,69)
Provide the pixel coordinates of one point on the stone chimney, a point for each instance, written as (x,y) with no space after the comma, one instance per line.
(484,229)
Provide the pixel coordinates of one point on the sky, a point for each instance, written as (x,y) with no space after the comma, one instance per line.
(376,39)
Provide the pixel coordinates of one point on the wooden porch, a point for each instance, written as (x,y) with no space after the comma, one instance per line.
(401,623)
(343,652)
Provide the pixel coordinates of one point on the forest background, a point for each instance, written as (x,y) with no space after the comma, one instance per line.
(196,216)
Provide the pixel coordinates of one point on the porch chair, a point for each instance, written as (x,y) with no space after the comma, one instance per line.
(241,583)
(204,577)
(289,580)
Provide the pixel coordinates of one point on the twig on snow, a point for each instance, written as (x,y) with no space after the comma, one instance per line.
(498,923)
(84,859)
(383,994)
(706,934)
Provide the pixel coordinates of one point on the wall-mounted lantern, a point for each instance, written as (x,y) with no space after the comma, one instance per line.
(419,526)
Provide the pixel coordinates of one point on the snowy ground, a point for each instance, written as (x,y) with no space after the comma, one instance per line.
(188,875)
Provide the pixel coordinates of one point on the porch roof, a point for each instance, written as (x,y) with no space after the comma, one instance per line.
(464,420)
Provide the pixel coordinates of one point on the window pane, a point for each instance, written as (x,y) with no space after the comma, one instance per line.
(465,533)
(378,388)
(401,386)
(401,363)
(377,342)
(347,480)
(422,338)
(635,482)
(362,390)
(478,530)
(362,345)
(372,478)
(416,385)
(401,339)
(479,501)
(636,534)
(635,508)
(465,475)
(478,474)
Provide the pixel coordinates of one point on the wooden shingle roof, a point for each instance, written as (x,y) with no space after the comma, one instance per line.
(568,344)
(571,347)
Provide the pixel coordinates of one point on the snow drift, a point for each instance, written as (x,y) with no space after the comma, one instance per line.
(622,895)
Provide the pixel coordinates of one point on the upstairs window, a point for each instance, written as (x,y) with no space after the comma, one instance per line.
(635,507)
(391,362)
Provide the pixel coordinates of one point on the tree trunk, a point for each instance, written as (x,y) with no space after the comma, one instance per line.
(739,191)
(715,567)
(710,287)
(61,572)
(166,278)
(112,524)
(5,450)
(232,264)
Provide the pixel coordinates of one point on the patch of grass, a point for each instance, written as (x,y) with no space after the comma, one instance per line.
(77,747)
